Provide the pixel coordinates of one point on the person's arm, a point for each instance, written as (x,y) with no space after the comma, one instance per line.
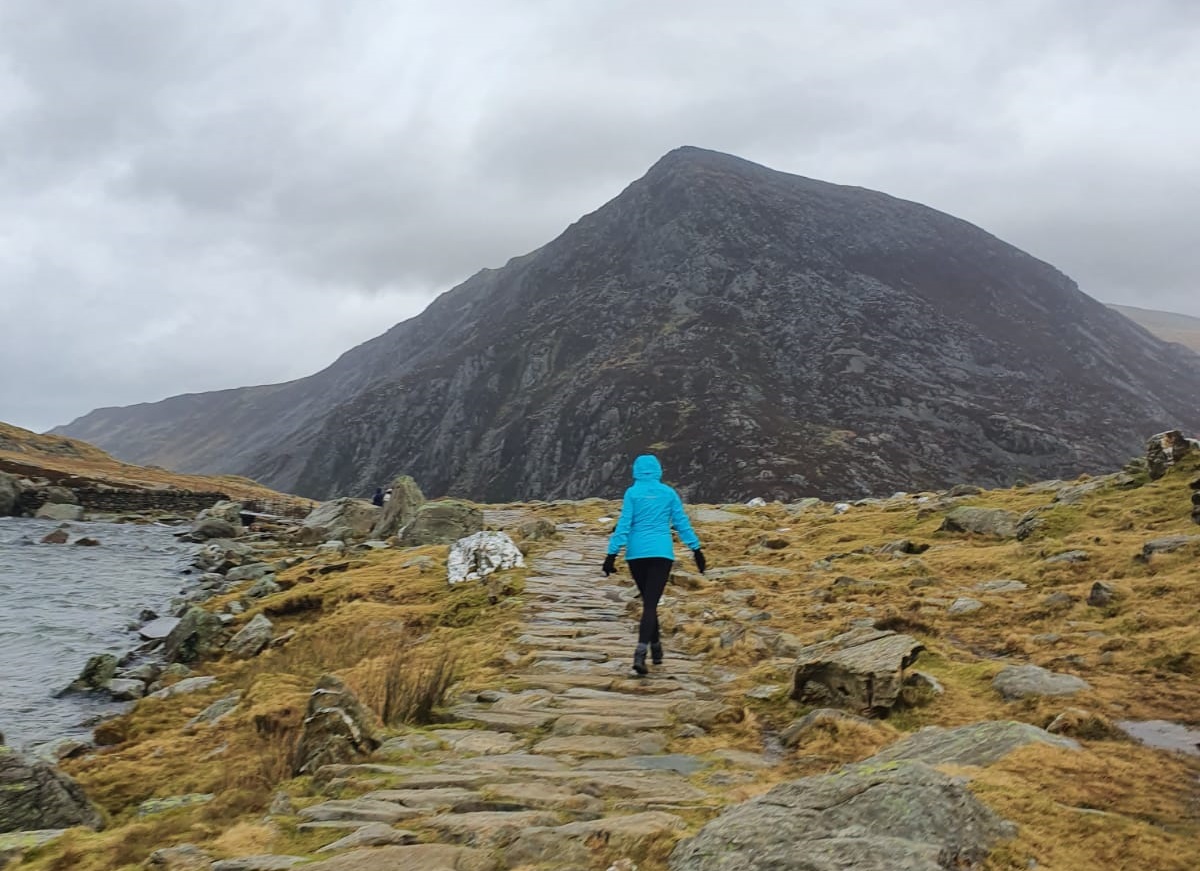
(683,526)
(620,535)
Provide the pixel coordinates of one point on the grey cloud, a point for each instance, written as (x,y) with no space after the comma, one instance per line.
(207,195)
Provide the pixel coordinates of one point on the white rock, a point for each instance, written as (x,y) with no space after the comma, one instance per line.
(757,502)
(841,507)
(480,554)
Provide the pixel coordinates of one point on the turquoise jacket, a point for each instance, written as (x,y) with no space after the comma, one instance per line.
(649,511)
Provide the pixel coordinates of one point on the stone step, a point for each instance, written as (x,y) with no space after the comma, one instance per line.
(488,829)
(359,810)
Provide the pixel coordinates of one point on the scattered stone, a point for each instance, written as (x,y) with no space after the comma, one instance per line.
(153,806)
(765,692)
(1021,681)
(963,490)
(796,731)
(248,572)
(1101,595)
(213,527)
(1169,544)
(1082,724)
(371,835)
(197,636)
(858,670)
(1070,556)
(1059,601)
(979,744)
(59,511)
(58,536)
(537,529)
(442,522)
(336,547)
(907,816)
(266,862)
(338,729)
(920,688)
(1001,585)
(185,686)
(216,711)
(251,638)
(87,541)
(36,796)
(13,845)
(185,857)
(479,555)
(98,671)
(124,690)
(263,587)
(981,521)
(964,605)
(10,495)
(775,543)
(1073,493)
(903,546)
(357,515)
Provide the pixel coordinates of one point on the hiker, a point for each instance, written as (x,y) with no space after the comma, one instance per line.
(377,499)
(649,511)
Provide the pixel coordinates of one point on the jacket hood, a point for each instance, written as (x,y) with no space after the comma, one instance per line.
(647,468)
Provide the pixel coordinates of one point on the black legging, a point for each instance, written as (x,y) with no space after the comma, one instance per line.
(650,574)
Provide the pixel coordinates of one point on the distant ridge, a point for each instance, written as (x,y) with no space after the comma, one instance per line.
(764,333)
(1168,326)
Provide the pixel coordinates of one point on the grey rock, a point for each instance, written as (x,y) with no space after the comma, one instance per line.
(797,730)
(124,690)
(399,511)
(859,670)
(183,687)
(248,572)
(35,795)
(869,817)
(160,627)
(1074,493)
(251,638)
(1058,601)
(338,729)
(963,490)
(264,586)
(981,521)
(1070,556)
(537,529)
(230,512)
(443,522)
(480,554)
(370,835)
(185,857)
(1020,681)
(216,711)
(97,672)
(963,606)
(1101,595)
(1000,585)
(979,744)
(60,511)
(265,862)
(214,527)
(197,636)
(359,515)
(10,495)
(1169,544)
(152,806)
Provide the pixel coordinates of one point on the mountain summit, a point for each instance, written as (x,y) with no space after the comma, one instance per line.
(763,333)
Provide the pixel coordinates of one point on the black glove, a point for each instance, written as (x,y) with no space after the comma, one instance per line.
(610,564)
(701,562)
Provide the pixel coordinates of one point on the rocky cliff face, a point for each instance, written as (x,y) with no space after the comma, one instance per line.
(764,333)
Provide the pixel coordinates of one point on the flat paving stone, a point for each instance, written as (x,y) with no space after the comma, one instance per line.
(602,745)
(681,763)
(506,721)
(364,810)
(480,741)
(418,857)
(488,828)
(600,724)
(441,798)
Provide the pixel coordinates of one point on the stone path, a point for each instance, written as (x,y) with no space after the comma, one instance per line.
(568,767)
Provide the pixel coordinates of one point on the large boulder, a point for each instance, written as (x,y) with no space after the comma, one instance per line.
(338,728)
(197,636)
(230,512)
(1164,450)
(59,511)
(905,816)
(861,670)
(443,522)
(98,671)
(213,527)
(1022,681)
(981,521)
(10,495)
(251,638)
(481,554)
(400,509)
(36,795)
(357,515)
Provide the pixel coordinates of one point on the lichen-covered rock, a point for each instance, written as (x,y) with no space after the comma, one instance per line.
(197,636)
(979,744)
(251,638)
(442,522)
(98,671)
(858,670)
(481,554)
(1020,681)
(1164,450)
(36,795)
(230,512)
(10,495)
(901,817)
(185,857)
(981,521)
(400,509)
(59,511)
(338,728)
(358,515)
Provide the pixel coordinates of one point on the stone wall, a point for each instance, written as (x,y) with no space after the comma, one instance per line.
(113,501)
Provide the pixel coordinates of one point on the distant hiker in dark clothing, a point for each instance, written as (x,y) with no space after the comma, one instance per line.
(649,511)
(377,499)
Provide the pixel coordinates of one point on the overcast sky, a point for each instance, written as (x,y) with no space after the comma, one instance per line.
(200,194)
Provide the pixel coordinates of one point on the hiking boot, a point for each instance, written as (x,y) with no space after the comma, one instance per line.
(639,660)
(656,655)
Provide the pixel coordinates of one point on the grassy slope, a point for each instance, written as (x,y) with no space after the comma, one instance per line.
(28,453)
(1115,805)
(1168,326)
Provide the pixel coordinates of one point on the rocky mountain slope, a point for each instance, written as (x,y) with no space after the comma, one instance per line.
(764,333)
(1168,326)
